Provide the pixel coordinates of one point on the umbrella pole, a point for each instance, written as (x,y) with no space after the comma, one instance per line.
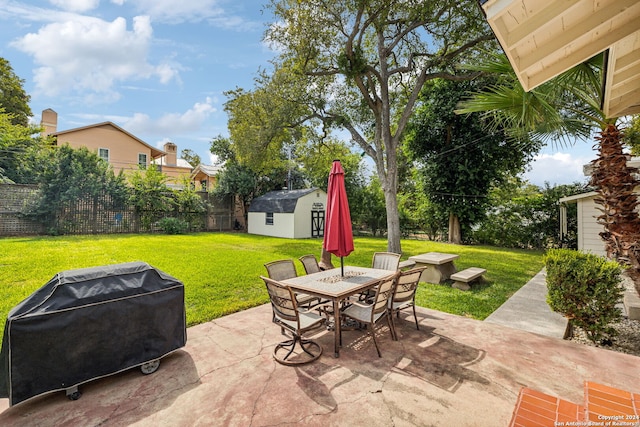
(342,266)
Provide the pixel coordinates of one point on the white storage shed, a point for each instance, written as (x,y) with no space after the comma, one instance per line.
(293,214)
(589,230)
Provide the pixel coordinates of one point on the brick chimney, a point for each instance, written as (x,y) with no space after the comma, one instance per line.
(49,122)
(171,159)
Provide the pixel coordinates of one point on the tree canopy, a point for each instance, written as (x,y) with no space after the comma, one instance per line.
(13,97)
(632,135)
(69,175)
(190,156)
(569,104)
(19,141)
(462,157)
(150,195)
(356,66)
(20,150)
(526,216)
(241,180)
(304,164)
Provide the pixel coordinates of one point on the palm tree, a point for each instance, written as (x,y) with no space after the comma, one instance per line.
(569,105)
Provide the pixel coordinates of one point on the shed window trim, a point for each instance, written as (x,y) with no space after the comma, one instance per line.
(268,218)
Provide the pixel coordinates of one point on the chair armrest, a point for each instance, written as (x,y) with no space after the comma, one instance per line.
(359,304)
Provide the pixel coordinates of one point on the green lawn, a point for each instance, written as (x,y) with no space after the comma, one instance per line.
(221,270)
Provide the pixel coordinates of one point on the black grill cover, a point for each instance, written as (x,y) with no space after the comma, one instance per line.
(88,323)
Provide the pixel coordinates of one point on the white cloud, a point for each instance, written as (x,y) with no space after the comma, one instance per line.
(24,13)
(167,72)
(171,123)
(178,11)
(557,169)
(76,5)
(88,56)
(161,142)
(213,159)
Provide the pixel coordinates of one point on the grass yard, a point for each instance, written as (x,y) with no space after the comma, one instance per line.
(221,271)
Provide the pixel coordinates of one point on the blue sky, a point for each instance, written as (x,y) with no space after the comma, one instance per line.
(159,68)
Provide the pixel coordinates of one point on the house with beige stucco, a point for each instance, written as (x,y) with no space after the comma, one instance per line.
(204,177)
(178,170)
(121,149)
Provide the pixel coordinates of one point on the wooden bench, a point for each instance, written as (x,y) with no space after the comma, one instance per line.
(466,276)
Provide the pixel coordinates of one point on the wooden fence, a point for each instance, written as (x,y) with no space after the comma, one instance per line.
(99,216)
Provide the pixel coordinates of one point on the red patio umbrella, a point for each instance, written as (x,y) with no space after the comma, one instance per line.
(338,237)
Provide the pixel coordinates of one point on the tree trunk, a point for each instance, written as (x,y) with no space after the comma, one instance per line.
(615,183)
(455,235)
(325,260)
(393,221)
(240,211)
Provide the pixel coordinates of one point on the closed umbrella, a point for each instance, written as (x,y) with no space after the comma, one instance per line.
(338,237)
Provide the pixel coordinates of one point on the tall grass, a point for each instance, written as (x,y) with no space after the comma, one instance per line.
(221,270)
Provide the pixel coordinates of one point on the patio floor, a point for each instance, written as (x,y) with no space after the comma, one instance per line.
(453,371)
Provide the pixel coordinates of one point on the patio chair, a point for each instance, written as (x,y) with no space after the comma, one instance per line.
(383,261)
(285,269)
(287,315)
(404,294)
(369,314)
(310,263)
(386,260)
(281,269)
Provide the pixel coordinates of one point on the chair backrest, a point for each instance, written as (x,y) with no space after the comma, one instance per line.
(281,270)
(310,263)
(407,284)
(282,300)
(383,294)
(386,261)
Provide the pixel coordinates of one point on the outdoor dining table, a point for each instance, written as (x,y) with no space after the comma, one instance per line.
(331,285)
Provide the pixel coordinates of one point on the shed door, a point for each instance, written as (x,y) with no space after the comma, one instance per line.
(317,223)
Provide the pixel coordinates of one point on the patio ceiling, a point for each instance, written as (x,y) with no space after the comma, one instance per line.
(543,38)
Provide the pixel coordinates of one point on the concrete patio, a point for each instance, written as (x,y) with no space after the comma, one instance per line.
(454,371)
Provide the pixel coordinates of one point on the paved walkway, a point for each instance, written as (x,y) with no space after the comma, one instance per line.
(454,371)
(528,310)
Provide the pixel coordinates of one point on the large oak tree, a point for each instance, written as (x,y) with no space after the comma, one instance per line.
(462,156)
(356,66)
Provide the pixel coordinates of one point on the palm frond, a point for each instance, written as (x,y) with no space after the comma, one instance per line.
(559,110)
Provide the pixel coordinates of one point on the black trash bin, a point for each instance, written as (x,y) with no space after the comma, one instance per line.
(89,323)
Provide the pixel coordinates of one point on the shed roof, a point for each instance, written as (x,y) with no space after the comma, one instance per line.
(576,197)
(283,201)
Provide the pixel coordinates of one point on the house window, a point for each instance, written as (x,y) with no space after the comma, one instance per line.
(103,153)
(142,160)
(203,185)
(269,218)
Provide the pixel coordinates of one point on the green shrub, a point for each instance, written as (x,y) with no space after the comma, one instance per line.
(172,225)
(585,288)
